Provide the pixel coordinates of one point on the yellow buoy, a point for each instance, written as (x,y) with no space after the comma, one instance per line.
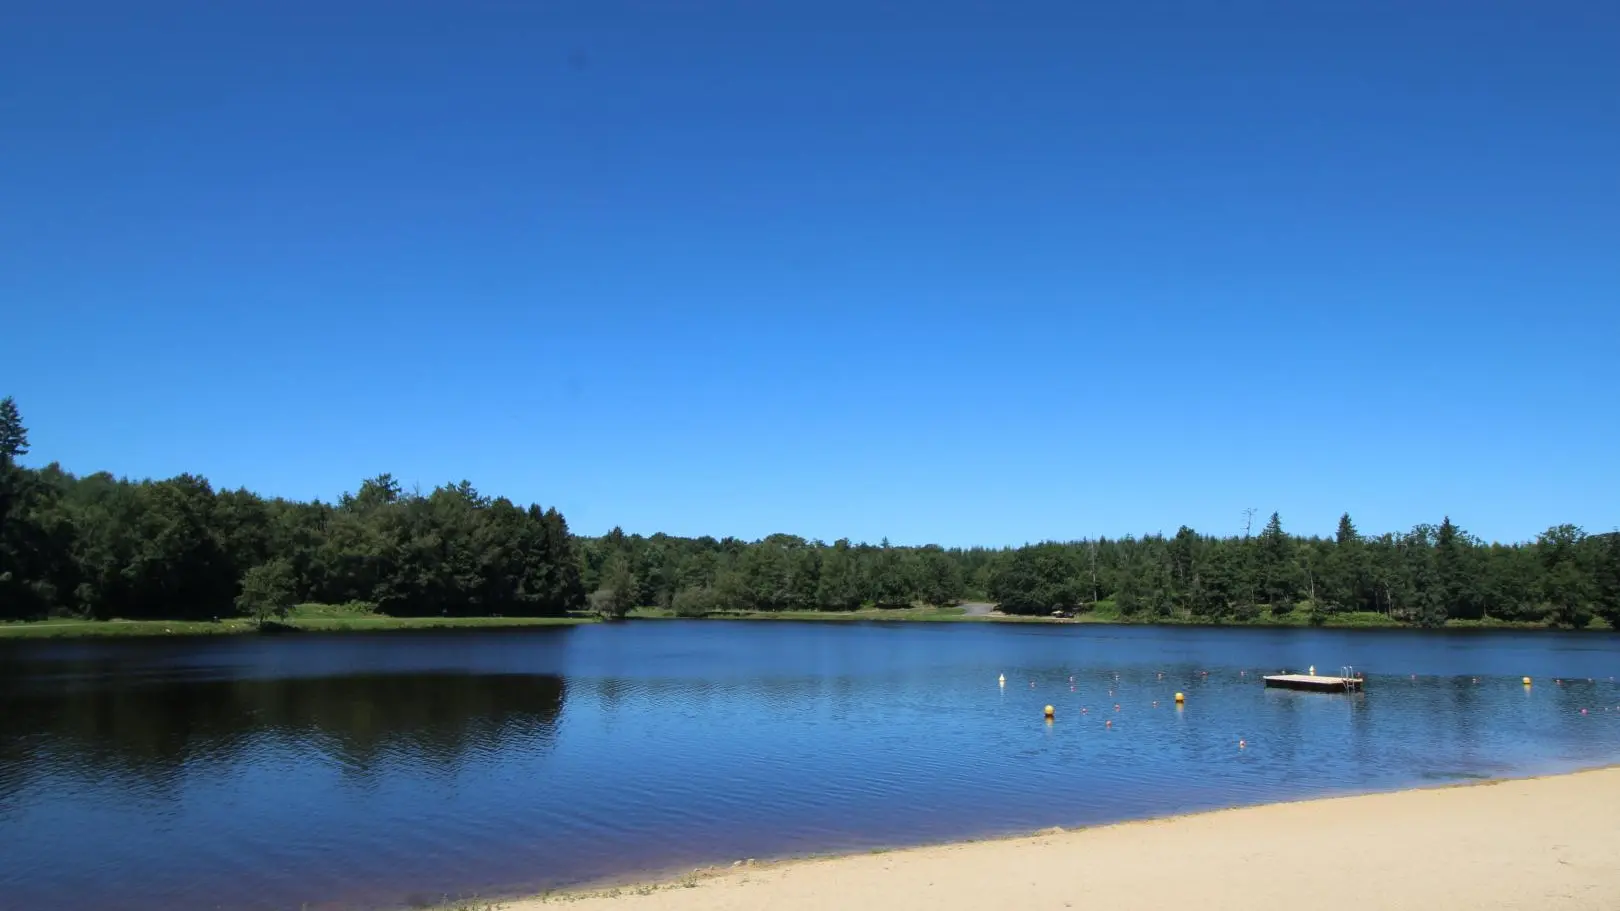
(1527,681)
(1049,711)
(1180,698)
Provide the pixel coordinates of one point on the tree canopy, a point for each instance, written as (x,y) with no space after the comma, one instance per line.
(99,546)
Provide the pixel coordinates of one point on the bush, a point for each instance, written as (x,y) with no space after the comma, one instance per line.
(609,603)
(695,602)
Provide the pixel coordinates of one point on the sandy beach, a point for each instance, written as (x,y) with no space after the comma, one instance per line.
(1522,844)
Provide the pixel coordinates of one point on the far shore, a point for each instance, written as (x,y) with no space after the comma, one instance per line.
(346,618)
(98,629)
(1523,844)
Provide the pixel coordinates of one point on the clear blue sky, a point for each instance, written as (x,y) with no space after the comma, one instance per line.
(966,272)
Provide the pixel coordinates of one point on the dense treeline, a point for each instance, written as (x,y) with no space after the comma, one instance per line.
(1426,576)
(100,546)
(104,547)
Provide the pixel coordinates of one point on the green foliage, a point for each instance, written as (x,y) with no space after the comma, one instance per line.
(618,592)
(104,547)
(695,602)
(267,592)
(13,435)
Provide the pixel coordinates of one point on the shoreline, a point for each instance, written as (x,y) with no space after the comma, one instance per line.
(1492,843)
(328,619)
(57,630)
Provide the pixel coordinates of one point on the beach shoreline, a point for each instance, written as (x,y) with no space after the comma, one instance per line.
(1548,841)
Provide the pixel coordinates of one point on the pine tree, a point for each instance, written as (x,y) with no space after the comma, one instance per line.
(1449,571)
(1279,575)
(13,435)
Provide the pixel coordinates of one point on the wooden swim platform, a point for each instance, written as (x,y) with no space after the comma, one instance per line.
(1315,683)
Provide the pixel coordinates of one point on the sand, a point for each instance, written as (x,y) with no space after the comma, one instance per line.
(1523,844)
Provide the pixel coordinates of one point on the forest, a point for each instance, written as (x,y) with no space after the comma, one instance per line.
(101,547)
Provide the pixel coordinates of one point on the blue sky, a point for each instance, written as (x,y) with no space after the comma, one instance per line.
(965,272)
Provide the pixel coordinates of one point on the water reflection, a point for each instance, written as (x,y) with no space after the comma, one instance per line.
(372,771)
(149,732)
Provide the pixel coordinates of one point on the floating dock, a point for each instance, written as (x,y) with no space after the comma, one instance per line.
(1315,684)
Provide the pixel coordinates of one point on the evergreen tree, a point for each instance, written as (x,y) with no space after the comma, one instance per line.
(1279,573)
(13,435)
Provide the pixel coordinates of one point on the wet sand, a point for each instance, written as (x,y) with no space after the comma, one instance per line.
(1541,843)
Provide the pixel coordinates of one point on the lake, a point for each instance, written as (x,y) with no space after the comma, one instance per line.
(395,769)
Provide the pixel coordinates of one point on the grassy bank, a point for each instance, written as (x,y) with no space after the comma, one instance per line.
(1105,613)
(363,618)
(921,613)
(305,617)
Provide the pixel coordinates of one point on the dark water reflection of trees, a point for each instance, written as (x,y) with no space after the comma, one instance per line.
(149,733)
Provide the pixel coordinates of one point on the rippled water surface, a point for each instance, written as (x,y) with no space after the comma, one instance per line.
(382,771)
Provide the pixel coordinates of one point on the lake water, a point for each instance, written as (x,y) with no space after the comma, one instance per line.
(390,770)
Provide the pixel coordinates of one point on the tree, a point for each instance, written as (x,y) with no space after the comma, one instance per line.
(1567,588)
(1452,574)
(614,599)
(1279,574)
(13,435)
(1607,576)
(695,602)
(267,592)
